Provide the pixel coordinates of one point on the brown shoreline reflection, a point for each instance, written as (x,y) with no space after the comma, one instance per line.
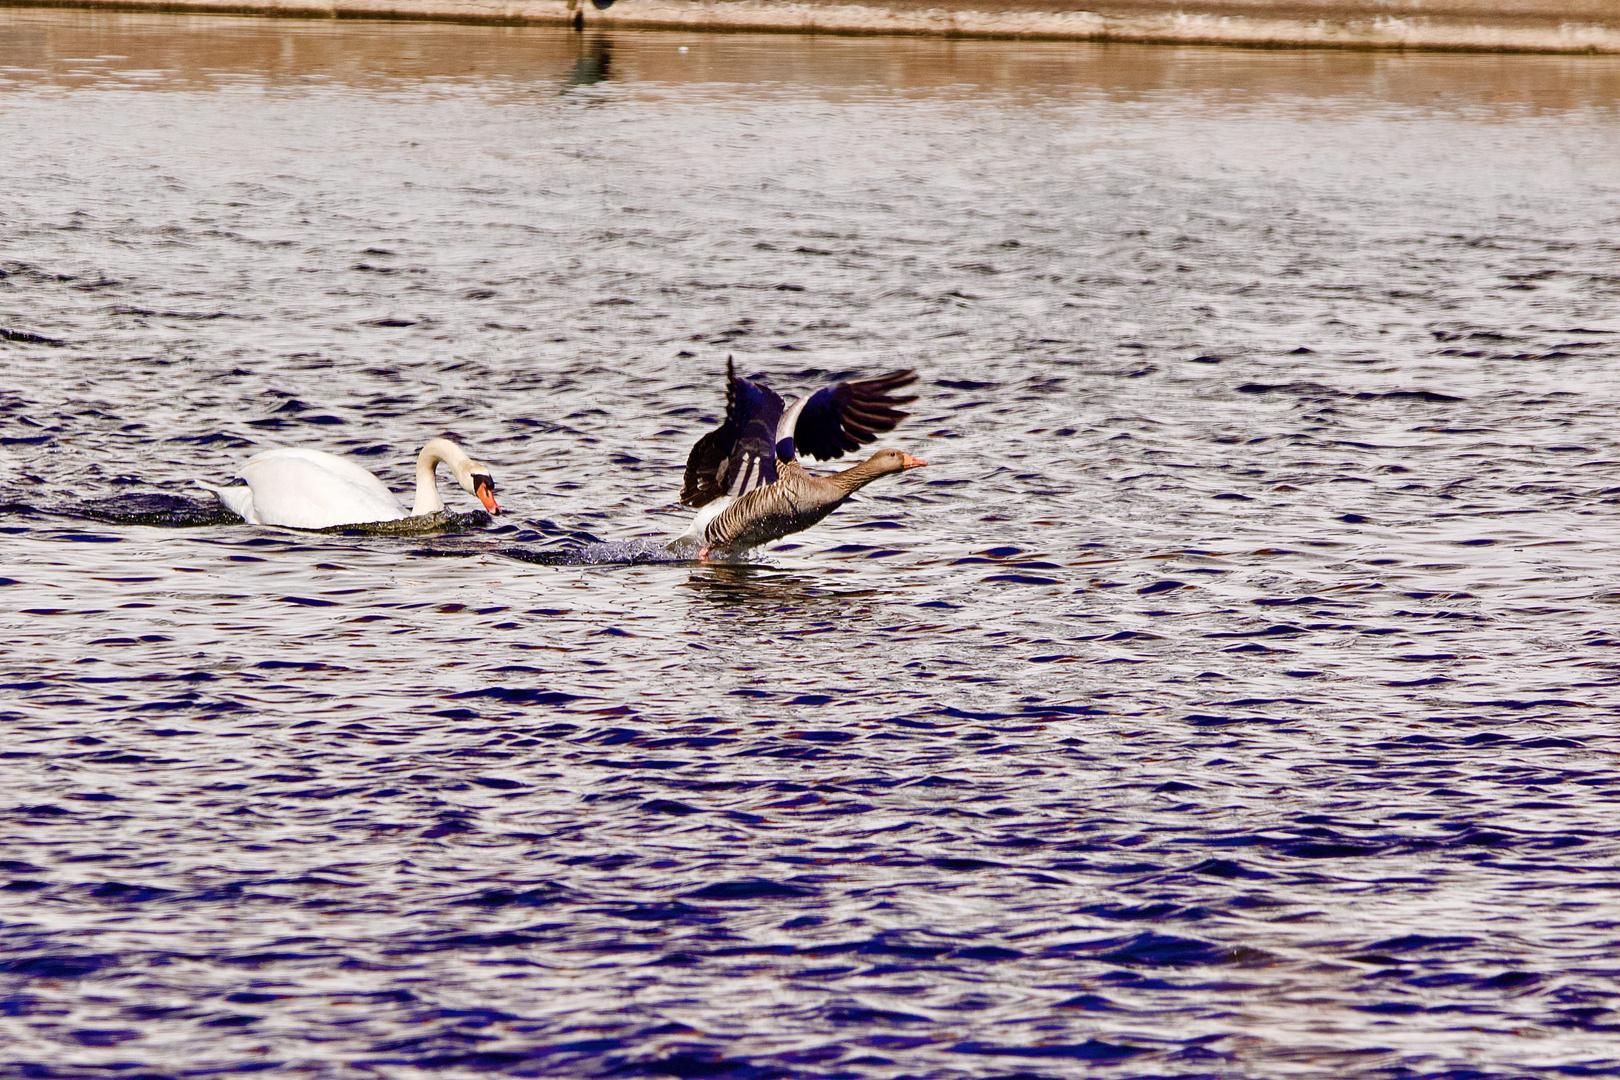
(88,49)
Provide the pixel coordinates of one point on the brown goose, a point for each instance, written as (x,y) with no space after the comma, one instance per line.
(745,477)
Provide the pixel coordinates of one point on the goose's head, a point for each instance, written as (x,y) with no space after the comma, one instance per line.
(892,461)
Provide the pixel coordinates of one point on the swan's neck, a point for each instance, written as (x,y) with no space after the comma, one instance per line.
(427,487)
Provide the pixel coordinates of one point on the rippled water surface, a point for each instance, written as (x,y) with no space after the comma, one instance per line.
(1234,695)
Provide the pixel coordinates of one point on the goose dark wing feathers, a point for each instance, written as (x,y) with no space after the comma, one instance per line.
(740,454)
(848,415)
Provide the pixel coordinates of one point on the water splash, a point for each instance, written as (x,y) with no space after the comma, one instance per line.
(602,553)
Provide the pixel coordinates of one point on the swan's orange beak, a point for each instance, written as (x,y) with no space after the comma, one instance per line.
(909,462)
(484,488)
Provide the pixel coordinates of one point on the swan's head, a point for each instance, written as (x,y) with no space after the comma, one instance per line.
(476,480)
(481,485)
(475,477)
(893,461)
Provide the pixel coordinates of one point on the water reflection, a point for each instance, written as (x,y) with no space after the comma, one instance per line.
(595,60)
(767,593)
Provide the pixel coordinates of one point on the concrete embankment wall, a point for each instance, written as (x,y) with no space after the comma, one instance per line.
(1567,26)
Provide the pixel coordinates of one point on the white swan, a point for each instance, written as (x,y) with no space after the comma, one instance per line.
(310,489)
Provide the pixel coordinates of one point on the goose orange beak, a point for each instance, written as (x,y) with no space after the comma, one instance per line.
(909,462)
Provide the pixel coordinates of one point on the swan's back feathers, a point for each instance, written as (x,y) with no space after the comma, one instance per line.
(848,415)
(310,489)
(331,463)
(740,454)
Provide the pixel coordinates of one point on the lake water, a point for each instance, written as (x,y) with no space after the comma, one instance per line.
(1233,696)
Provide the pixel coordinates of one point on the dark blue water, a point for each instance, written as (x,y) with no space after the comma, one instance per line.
(1234,696)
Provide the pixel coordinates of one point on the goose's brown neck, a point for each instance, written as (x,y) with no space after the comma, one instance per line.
(853,479)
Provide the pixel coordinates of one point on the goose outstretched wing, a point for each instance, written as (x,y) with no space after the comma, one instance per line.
(843,417)
(740,454)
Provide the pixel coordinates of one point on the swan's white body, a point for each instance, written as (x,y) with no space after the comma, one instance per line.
(311,489)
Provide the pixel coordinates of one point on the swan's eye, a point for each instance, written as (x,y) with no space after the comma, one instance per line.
(482,482)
